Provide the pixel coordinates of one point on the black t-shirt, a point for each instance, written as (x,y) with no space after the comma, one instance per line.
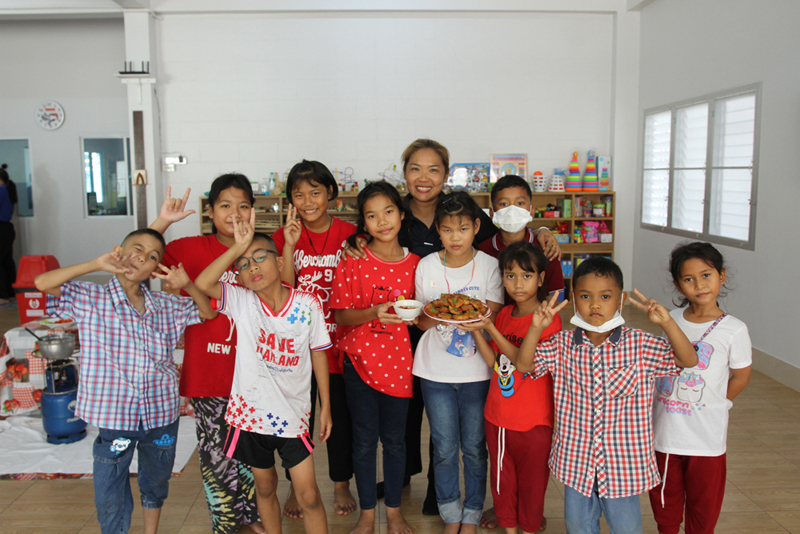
(423,240)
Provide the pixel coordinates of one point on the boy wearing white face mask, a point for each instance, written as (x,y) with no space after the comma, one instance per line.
(603,374)
(511,213)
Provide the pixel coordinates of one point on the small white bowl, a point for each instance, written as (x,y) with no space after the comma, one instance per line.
(408,309)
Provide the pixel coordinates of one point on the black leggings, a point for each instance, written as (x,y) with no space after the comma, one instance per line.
(8,269)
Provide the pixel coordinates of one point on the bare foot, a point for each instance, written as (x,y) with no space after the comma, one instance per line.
(451,528)
(343,501)
(292,508)
(257,527)
(366,523)
(395,522)
(468,529)
(489,519)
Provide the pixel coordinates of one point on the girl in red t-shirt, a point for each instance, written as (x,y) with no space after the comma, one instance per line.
(210,353)
(312,246)
(376,349)
(519,410)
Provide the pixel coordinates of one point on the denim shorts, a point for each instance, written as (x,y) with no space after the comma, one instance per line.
(113,452)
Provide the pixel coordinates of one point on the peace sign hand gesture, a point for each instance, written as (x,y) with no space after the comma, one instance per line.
(544,313)
(243,230)
(293,227)
(176,278)
(114,262)
(656,313)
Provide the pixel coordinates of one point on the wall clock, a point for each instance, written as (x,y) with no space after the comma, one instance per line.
(50,115)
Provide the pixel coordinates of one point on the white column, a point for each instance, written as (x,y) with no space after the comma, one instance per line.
(625,135)
(140,49)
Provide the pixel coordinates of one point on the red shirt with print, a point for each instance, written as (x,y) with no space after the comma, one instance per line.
(381,353)
(516,401)
(210,347)
(315,259)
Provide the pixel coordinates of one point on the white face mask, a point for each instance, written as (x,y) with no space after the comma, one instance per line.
(512,219)
(607,326)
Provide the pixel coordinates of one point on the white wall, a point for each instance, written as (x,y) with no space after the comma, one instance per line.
(257,93)
(689,49)
(72,62)
(255,89)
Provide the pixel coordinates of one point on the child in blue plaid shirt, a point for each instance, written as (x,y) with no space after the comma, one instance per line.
(129,383)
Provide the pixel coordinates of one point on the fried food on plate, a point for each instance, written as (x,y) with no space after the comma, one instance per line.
(455,307)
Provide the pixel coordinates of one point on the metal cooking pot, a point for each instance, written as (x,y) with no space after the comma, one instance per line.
(57,346)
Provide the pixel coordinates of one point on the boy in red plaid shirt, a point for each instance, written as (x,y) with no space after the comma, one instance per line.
(603,376)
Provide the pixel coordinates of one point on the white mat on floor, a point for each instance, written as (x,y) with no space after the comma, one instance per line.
(24,448)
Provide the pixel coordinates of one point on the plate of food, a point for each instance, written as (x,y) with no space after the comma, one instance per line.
(56,322)
(456,309)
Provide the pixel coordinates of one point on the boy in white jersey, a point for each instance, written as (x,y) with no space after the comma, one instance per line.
(281,335)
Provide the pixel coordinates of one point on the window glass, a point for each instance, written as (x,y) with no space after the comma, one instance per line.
(699,170)
(655,193)
(15,153)
(106,177)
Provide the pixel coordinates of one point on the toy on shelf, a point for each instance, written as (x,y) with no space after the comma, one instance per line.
(566,268)
(565,207)
(393,176)
(590,182)
(577,236)
(503,164)
(604,232)
(539,182)
(561,232)
(473,177)
(590,234)
(347,184)
(604,164)
(557,182)
(574,178)
(551,212)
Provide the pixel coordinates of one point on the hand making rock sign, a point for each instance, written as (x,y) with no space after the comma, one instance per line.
(174,209)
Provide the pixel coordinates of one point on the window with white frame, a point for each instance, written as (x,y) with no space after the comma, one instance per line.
(700,167)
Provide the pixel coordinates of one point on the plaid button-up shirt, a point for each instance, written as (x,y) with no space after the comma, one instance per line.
(127,372)
(604,397)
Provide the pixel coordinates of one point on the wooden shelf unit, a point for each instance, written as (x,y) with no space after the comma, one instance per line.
(271,214)
(269,218)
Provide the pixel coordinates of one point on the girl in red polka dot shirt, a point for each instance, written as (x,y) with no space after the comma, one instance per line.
(376,348)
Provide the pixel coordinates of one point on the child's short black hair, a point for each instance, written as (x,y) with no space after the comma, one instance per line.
(528,257)
(232,179)
(689,251)
(375,189)
(147,231)
(265,237)
(510,180)
(312,173)
(457,204)
(599,266)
